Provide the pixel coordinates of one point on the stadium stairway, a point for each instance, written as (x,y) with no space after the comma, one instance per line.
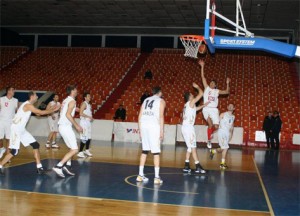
(100,114)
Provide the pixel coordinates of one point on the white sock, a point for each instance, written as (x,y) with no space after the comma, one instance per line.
(156,170)
(187,161)
(39,165)
(141,170)
(59,164)
(223,160)
(196,162)
(69,163)
(53,143)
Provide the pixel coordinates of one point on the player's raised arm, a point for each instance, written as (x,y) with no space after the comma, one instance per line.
(198,97)
(161,118)
(201,63)
(227,91)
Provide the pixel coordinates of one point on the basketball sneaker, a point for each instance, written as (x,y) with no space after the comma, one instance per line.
(81,155)
(199,169)
(2,151)
(48,145)
(58,171)
(88,153)
(187,168)
(209,144)
(68,169)
(212,153)
(223,166)
(54,145)
(40,170)
(158,180)
(140,178)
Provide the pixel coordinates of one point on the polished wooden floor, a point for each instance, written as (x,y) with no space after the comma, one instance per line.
(30,203)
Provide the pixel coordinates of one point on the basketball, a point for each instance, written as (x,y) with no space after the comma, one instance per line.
(202,49)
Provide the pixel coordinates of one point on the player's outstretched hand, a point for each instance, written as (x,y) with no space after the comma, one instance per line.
(201,63)
(227,80)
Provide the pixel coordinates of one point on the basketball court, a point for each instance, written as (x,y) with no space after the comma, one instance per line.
(259,182)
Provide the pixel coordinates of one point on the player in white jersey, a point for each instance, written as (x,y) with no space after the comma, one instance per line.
(19,134)
(8,108)
(151,126)
(224,134)
(211,112)
(86,117)
(53,123)
(188,130)
(65,123)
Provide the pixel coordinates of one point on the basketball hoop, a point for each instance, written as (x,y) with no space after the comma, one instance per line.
(191,44)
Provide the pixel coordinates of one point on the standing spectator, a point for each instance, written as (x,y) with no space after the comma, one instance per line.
(120,113)
(276,130)
(144,96)
(267,126)
(148,75)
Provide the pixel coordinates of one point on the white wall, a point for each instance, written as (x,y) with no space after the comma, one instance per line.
(101,129)
(129,132)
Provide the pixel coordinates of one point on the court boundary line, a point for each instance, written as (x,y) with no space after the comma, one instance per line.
(264,189)
(131,201)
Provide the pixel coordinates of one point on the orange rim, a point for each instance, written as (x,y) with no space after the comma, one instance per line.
(193,37)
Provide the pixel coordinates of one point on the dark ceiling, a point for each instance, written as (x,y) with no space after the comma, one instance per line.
(274,17)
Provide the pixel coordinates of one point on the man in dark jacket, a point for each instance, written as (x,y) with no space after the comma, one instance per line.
(144,96)
(276,130)
(267,126)
(120,113)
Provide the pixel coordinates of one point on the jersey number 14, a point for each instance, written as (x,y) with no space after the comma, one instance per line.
(149,104)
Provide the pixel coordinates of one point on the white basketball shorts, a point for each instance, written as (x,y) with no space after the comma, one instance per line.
(5,127)
(87,130)
(223,137)
(53,124)
(150,138)
(212,113)
(189,136)
(18,136)
(68,135)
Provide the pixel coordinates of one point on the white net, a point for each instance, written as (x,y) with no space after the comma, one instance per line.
(191,45)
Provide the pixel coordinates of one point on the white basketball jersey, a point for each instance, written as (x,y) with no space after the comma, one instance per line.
(151,110)
(87,111)
(55,114)
(226,122)
(21,118)
(212,96)
(189,114)
(63,120)
(8,108)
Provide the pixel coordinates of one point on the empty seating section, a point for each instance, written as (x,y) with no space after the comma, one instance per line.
(258,83)
(97,70)
(10,54)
